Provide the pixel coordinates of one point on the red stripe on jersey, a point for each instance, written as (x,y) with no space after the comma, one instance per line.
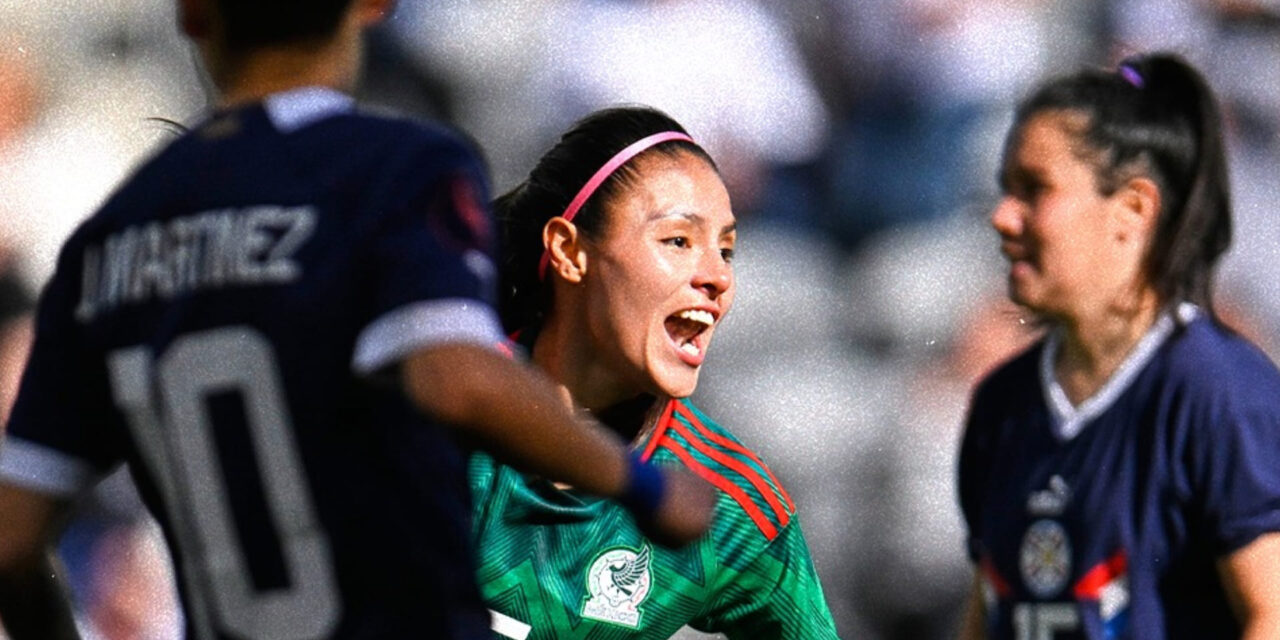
(724,484)
(1090,586)
(730,444)
(469,209)
(663,422)
(993,577)
(742,469)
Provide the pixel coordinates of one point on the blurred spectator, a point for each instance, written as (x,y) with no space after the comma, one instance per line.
(86,84)
(724,68)
(916,580)
(77,89)
(865,135)
(495,56)
(811,403)
(935,82)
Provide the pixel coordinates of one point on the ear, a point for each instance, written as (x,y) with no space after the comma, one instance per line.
(563,242)
(371,12)
(1139,206)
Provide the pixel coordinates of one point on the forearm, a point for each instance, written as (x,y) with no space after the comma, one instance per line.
(515,413)
(972,624)
(33,601)
(1249,576)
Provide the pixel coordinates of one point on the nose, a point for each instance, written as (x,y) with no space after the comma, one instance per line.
(714,274)
(1006,218)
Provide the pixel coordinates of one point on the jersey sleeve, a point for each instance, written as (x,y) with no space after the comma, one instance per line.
(974,462)
(1234,447)
(431,266)
(60,438)
(777,595)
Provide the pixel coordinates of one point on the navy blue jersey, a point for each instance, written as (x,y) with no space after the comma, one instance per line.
(1105,520)
(227,324)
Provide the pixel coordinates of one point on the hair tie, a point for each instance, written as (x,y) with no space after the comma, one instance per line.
(603,174)
(1131,75)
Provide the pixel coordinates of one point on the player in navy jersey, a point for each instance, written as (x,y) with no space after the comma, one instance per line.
(272,323)
(1120,478)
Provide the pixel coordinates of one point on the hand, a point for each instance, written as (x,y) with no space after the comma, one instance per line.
(685,512)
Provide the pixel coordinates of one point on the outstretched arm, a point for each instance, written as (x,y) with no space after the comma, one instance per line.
(33,602)
(972,627)
(516,414)
(1252,578)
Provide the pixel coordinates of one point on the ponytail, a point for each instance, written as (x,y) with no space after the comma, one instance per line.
(1156,116)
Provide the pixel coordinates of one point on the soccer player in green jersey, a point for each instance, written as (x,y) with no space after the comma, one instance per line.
(617,252)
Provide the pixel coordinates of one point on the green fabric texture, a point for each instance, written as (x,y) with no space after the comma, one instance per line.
(574,566)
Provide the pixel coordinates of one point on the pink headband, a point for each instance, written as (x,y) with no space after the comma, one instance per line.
(603,174)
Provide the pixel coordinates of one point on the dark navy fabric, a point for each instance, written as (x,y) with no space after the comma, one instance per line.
(1114,533)
(262,255)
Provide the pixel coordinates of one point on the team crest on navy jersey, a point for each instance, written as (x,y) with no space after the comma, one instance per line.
(617,582)
(1045,558)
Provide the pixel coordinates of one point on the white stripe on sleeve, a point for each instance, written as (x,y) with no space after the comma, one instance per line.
(399,332)
(39,468)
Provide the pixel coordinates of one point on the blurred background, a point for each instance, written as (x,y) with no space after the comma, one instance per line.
(859,140)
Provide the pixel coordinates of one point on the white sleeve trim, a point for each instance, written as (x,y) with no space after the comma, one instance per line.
(39,468)
(401,331)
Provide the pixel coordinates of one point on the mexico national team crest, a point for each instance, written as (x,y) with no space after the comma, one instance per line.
(1045,558)
(617,582)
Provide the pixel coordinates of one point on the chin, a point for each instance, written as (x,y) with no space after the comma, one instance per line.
(676,384)
(1022,296)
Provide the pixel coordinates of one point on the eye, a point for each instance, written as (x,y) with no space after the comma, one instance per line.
(727,255)
(1028,189)
(679,242)
(1018,191)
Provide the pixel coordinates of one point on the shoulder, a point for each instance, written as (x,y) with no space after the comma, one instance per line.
(1003,401)
(749,488)
(406,135)
(1016,378)
(1219,376)
(1207,355)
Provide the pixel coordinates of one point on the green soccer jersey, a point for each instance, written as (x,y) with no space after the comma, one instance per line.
(557,564)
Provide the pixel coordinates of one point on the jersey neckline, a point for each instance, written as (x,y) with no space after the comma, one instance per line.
(1069,420)
(294,109)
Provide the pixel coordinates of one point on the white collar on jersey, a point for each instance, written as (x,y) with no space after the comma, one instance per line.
(1069,420)
(296,108)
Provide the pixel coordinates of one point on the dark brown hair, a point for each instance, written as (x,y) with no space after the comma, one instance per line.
(1156,116)
(524,297)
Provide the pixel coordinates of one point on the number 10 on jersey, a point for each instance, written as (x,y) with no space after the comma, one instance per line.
(176,434)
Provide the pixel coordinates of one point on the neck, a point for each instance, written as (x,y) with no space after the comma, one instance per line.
(250,77)
(1094,345)
(563,352)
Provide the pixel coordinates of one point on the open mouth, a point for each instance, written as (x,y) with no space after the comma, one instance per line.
(689,331)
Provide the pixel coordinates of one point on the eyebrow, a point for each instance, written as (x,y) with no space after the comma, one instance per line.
(1019,174)
(693,217)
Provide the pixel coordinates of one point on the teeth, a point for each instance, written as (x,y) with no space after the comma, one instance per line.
(689,348)
(698,315)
